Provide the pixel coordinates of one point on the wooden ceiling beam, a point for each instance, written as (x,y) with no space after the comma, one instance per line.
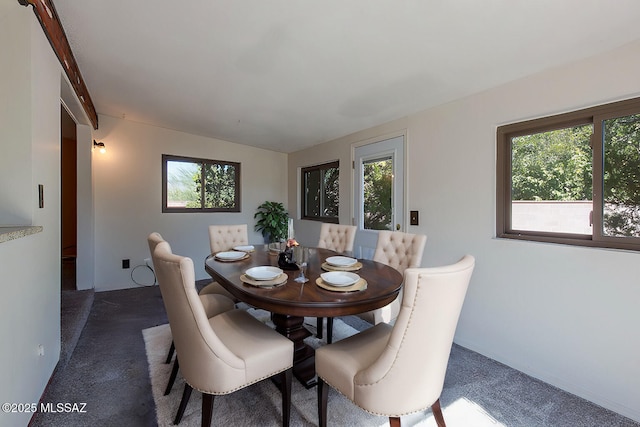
(52,27)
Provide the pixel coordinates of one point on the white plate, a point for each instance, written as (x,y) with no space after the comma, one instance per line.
(263,273)
(231,255)
(340,278)
(247,248)
(341,261)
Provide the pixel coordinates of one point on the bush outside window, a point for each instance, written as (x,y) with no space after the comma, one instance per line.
(320,192)
(573,178)
(199,185)
(377,186)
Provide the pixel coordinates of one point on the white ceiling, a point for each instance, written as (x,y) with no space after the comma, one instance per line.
(285,74)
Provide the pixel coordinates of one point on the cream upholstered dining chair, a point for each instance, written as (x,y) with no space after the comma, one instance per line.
(398,250)
(338,238)
(225,238)
(225,353)
(398,370)
(213,304)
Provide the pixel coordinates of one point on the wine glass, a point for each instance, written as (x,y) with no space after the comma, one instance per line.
(301,258)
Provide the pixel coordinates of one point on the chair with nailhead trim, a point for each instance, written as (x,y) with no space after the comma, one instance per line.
(338,238)
(213,305)
(225,353)
(398,370)
(224,238)
(400,251)
(221,237)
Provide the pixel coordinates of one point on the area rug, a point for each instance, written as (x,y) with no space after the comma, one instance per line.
(260,404)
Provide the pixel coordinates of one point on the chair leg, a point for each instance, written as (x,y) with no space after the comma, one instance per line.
(207,409)
(323,395)
(437,413)
(172,377)
(394,421)
(170,354)
(319,325)
(285,389)
(186,394)
(329,330)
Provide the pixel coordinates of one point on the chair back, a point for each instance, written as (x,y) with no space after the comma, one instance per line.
(226,237)
(337,237)
(205,362)
(153,240)
(400,250)
(415,358)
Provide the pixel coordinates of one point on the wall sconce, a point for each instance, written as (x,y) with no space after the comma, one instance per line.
(100,146)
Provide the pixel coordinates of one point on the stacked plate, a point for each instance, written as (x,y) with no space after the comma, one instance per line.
(341,261)
(244,248)
(263,273)
(340,278)
(230,256)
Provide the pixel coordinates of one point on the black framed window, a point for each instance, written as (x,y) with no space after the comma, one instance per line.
(573,178)
(320,192)
(199,185)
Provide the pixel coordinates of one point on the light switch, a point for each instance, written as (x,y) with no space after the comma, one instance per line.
(413,218)
(40,196)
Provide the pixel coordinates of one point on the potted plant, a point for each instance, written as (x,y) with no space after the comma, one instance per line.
(272,221)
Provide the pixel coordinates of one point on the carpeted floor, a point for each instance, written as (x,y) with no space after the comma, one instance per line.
(109,372)
(260,404)
(75,307)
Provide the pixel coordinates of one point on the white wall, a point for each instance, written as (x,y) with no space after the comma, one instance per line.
(30,266)
(128,195)
(567,315)
(15,120)
(85,259)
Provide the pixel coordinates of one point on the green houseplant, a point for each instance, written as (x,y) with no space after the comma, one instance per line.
(272,221)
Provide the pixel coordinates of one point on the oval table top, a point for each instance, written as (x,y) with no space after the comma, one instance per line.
(308,299)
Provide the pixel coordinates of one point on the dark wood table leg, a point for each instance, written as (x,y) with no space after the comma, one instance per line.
(304,367)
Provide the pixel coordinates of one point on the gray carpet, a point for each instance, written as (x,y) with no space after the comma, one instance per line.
(109,371)
(260,404)
(478,392)
(75,307)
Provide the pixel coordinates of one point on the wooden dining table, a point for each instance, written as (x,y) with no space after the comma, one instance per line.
(290,302)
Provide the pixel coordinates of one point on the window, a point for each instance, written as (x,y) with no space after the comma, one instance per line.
(573,178)
(199,185)
(320,192)
(379,185)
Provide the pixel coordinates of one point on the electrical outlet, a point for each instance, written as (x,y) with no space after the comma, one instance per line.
(125,263)
(40,350)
